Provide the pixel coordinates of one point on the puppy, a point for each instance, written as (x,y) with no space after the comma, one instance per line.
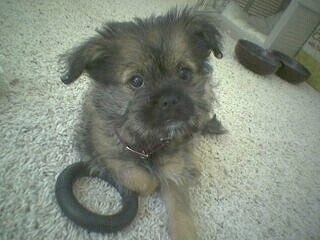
(150,95)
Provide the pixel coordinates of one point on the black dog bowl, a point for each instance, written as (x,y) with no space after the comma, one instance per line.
(256,58)
(291,70)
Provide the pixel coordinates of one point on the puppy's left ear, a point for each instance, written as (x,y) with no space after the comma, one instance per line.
(204,34)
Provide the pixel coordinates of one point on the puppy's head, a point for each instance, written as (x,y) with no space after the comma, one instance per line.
(153,74)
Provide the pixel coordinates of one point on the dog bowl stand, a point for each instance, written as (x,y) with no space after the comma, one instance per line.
(289,32)
(294,27)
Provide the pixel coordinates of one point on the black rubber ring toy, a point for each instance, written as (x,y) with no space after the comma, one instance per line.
(82,216)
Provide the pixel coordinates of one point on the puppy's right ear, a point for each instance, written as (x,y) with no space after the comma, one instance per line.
(78,59)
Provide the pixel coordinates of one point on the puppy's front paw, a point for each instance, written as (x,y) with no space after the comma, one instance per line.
(139,180)
(182,228)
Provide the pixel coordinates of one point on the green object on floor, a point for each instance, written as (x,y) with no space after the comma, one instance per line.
(313,66)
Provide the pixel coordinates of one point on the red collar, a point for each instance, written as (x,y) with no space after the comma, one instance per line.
(144,154)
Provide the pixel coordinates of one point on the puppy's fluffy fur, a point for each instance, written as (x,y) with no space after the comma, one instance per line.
(151,80)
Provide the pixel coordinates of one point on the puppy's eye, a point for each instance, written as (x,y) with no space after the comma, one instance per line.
(136,81)
(185,73)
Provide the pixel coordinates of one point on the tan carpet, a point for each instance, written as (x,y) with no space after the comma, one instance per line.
(260,181)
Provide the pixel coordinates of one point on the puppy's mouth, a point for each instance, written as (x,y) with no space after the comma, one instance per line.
(174,119)
(172,127)
(173,124)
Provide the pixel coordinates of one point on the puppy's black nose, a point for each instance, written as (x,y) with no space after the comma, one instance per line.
(168,100)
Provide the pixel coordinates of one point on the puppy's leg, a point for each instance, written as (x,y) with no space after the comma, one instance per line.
(213,126)
(138,180)
(133,177)
(129,174)
(180,222)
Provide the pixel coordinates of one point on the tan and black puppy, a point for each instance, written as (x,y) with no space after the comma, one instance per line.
(150,94)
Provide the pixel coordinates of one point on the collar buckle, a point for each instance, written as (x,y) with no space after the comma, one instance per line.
(142,154)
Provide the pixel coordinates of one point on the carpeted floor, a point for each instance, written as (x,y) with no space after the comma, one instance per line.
(260,181)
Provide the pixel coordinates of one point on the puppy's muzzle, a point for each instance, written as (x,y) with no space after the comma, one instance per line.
(169,100)
(173,105)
